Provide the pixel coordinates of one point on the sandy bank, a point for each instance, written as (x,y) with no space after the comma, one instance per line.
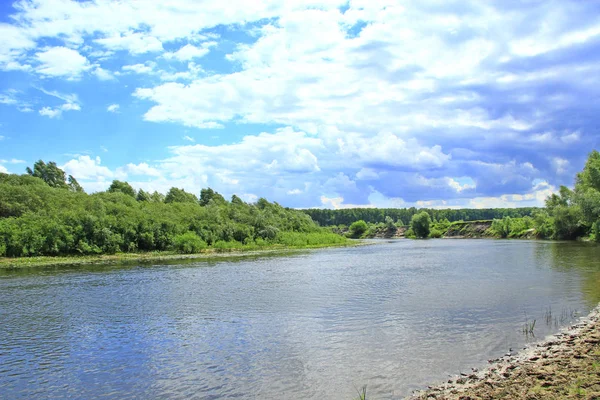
(563,366)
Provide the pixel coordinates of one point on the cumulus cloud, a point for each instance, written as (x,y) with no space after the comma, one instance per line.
(113,108)
(61,62)
(189,52)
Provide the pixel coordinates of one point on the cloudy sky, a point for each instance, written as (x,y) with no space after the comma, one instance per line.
(311,103)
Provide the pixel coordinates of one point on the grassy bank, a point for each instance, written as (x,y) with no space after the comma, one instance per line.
(159,256)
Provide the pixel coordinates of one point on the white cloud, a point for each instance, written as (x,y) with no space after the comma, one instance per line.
(113,108)
(133,42)
(3,169)
(50,112)
(57,111)
(61,62)
(147,68)
(561,165)
(103,74)
(139,169)
(87,168)
(189,52)
(189,139)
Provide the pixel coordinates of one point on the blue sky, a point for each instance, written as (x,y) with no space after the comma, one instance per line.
(314,103)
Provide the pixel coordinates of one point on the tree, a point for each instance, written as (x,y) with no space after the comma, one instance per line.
(74,186)
(358,228)
(143,196)
(121,187)
(389,223)
(49,173)
(206,195)
(176,195)
(420,224)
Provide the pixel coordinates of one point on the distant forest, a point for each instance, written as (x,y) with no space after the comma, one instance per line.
(403,216)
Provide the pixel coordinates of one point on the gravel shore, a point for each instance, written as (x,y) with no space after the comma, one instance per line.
(563,366)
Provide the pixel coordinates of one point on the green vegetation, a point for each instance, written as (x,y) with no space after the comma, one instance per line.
(358,229)
(420,224)
(42,213)
(380,215)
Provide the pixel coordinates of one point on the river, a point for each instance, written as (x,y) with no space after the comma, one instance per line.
(395,316)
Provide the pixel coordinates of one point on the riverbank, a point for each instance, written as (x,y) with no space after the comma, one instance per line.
(151,257)
(563,366)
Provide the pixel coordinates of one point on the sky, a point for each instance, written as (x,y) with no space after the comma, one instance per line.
(310,103)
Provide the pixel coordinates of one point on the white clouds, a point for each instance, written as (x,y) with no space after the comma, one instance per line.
(61,62)
(103,74)
(113,108)
(57,111)
(140,169)
(135,43)
(87,168)
(189,139)
(147,68)
(189,52)
(3,169)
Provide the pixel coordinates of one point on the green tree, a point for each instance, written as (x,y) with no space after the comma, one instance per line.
(49,173)
(74,186)
(143,196)
(389,223)
(358,228)
(207,195)
(420,223)
(121,187)
(176,195)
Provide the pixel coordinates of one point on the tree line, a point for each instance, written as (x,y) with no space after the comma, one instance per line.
(45,212)
(403,216)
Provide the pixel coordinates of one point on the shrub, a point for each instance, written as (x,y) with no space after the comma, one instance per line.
(358,228)
(189,243)
(420,224)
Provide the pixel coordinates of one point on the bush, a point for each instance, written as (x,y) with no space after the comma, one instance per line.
(189,243)
(436,233)
(357,229)
(420,224)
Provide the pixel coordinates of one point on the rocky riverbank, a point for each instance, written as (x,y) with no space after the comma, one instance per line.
(564,366)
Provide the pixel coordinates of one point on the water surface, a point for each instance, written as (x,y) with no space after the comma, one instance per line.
(395,316)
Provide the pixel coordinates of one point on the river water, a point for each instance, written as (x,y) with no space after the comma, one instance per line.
(394,316)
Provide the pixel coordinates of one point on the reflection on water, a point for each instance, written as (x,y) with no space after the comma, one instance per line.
(395,316)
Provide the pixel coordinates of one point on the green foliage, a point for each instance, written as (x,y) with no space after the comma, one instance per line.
(420,224)
(73,185)
(357,229)
(175,195)
(543,224)
(189,243)
(121,187)
(49,173)
(389,223)
(208,195)
(36,219)
(347,216)
(143,196)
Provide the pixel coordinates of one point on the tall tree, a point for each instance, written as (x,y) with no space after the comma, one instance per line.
(176,195)
(121,187)
(74,186)
(49,173)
